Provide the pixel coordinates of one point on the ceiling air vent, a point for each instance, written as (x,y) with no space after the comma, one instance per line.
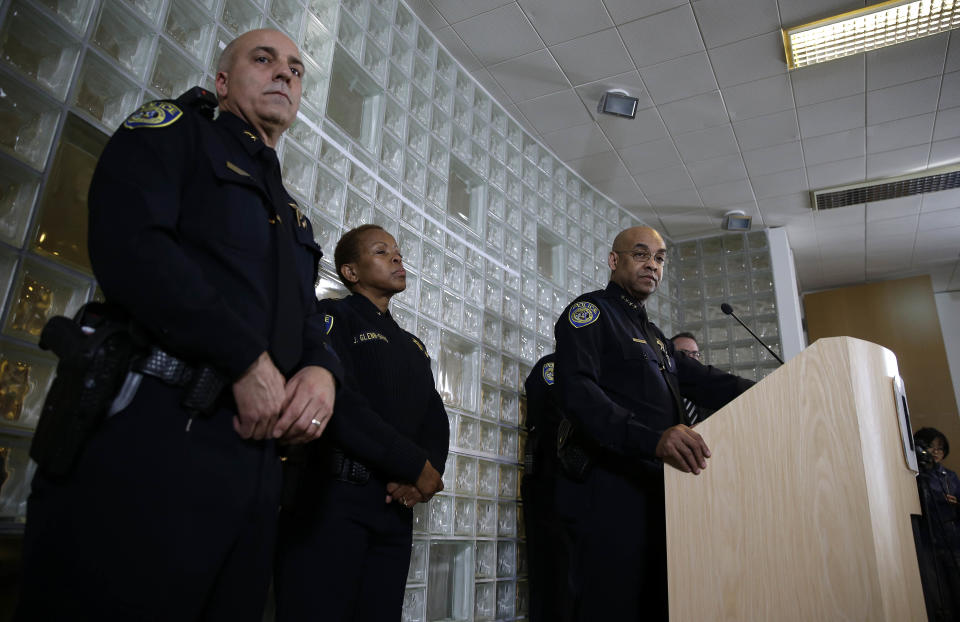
(879,190)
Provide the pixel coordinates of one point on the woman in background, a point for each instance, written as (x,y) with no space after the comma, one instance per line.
(345,538)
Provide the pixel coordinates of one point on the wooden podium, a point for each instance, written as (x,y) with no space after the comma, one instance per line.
(803,512)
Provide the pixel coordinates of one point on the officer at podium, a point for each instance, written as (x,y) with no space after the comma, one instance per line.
(621,387)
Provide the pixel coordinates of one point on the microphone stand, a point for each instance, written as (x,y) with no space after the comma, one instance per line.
(728,310)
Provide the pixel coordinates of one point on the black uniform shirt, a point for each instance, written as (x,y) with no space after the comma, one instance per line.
(543,418)
(388,414)
(181,236)
(609,379)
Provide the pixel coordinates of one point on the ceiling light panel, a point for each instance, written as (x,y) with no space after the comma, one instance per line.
(870,28)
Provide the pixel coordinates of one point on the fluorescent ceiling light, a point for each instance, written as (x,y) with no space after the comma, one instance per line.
(870,28)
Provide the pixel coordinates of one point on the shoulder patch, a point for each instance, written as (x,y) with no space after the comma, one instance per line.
(154,114)
(420,345)
(548,373)
(327,324)
(583,313)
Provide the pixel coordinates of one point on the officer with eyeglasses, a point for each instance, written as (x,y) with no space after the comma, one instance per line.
(685,344)
(621,384)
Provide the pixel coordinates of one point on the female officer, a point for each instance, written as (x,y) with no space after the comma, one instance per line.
(344,543)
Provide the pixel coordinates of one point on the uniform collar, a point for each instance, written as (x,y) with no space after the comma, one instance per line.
(245,133)
(366,307)
(615,291)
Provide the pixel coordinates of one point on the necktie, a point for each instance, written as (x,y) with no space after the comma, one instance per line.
(691,411)
(286,341)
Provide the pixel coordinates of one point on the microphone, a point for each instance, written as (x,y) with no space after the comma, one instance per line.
(728,310)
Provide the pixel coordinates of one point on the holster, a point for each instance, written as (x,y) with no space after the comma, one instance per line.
(572,456)
(95,349)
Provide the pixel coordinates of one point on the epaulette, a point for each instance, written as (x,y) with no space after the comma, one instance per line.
(200,99)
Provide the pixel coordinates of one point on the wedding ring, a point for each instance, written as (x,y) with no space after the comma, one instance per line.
(316,422)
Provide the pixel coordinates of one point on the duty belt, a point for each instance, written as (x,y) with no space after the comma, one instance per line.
(203,383)
(348,470)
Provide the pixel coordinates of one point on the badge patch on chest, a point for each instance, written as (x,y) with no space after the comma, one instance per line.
(548,373)
(583,313)
(154,114)
(327,324)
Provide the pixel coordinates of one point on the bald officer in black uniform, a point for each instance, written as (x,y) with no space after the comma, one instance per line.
(620,385)
(170,515)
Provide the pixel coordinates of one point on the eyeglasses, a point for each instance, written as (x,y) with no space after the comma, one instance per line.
(936,450)
(691,353)
(642,256)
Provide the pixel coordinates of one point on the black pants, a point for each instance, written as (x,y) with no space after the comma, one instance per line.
(342,553)
(618,561)
(155,522)
(547,552)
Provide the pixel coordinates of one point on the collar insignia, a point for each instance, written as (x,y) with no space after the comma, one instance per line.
(250,135)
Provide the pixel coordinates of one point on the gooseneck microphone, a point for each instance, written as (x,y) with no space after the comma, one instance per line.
(728,310)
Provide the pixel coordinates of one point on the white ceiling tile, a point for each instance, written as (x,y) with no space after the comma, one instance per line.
(663,181)
(708,143)
(903,100)
(623,11)
(599,167)
(954,279)
(727,194)
(529,76)
(513,111)
(900,133)
(783,157)
(676,201)
(749,60)
(906,62)
(953,52)
(937,244)
(488,82)
(717,170)
(458,10)
(778,184)
(562,20)
(573,143)
(894,208)
(645,127)
(897,162)
(831,116)
(768,130)
(798,12)
(836,146)
(663,36)
(428,14)
(651,156)
(689,223)
(826,81)
(944,199)
(723,22)
(498,35)
(879,231)
(845,221)
(555,111)
(839,173)
(592,57)
(789,209)
(947,124)
(940,220)
(759,97)
(679,78)
(457,48)
(950,92)
(924,256)
(695,113)
(943,152)
(941,276)
(622,190)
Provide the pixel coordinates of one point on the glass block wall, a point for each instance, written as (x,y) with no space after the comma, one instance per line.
(498,235)
(733,268)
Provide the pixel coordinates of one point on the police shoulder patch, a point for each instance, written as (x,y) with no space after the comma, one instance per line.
(583,313)
(548,373)
(327,324)
(154,114)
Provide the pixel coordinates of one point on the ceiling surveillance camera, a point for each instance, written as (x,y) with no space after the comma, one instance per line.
(618,103)
(736,220)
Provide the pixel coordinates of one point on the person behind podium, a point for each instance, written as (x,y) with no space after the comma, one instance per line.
(619,383)
(345,540)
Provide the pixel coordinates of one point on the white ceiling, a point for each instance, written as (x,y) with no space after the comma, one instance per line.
(723,125)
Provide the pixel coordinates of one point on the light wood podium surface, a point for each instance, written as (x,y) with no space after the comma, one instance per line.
(803,512)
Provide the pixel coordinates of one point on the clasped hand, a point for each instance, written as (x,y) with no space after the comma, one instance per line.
(292,411)
(428,484)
